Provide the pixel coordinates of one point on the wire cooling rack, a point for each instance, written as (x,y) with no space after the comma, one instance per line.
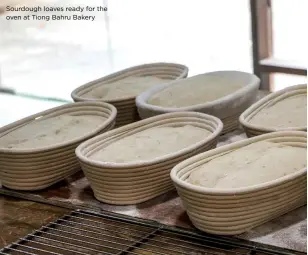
(86,232)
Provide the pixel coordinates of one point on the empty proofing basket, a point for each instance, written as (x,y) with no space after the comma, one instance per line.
(253,110)
(38,168)
(138,181)
(234,211)
(127,111)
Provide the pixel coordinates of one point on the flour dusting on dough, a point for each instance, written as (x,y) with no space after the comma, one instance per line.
(250,165)
(46,132)
(195,90)
(290,112)
(130,86)
(150,144)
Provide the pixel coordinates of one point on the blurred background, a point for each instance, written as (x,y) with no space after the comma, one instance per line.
(42,62)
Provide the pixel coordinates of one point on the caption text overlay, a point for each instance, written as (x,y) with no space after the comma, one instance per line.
(52,13)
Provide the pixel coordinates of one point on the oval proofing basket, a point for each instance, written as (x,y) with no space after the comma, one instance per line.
(234,211)
(253,130)
(34,169)
(127,111)
(135,182)
(227,108)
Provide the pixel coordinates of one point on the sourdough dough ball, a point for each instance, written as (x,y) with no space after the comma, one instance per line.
(198,89)
(130,86)
(250,165)
(290,112)
(47,132)
(150,144)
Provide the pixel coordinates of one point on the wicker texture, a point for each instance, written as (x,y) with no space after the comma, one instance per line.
(227,108)
(34,169)
(234,211)
(126,107)
(135,182)
(254,130)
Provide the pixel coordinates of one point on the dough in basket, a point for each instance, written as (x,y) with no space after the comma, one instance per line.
(289,112)
(130,86)
(195,90)
(150,144)
(50,131)
(250,165)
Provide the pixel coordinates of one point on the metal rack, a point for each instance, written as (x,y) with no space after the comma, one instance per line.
(85,232)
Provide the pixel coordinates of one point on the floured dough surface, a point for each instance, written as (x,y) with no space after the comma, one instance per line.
(290,112)
(195,90)
(150,144)
(130,86)
(42,133)
(250,165)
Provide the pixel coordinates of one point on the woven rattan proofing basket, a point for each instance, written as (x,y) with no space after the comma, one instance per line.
(253,130)
(135,182)
(34,169)
(127,111)
(234,211)
(227,108)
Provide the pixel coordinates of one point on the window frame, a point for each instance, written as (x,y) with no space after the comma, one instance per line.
(264,63)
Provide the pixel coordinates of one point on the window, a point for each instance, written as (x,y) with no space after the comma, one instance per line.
(279,42)
(50,59)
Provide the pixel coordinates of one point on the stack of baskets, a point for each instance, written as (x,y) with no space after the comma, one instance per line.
(253,130)
(135,182)
(234,211)
(126,107)
(34,169)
